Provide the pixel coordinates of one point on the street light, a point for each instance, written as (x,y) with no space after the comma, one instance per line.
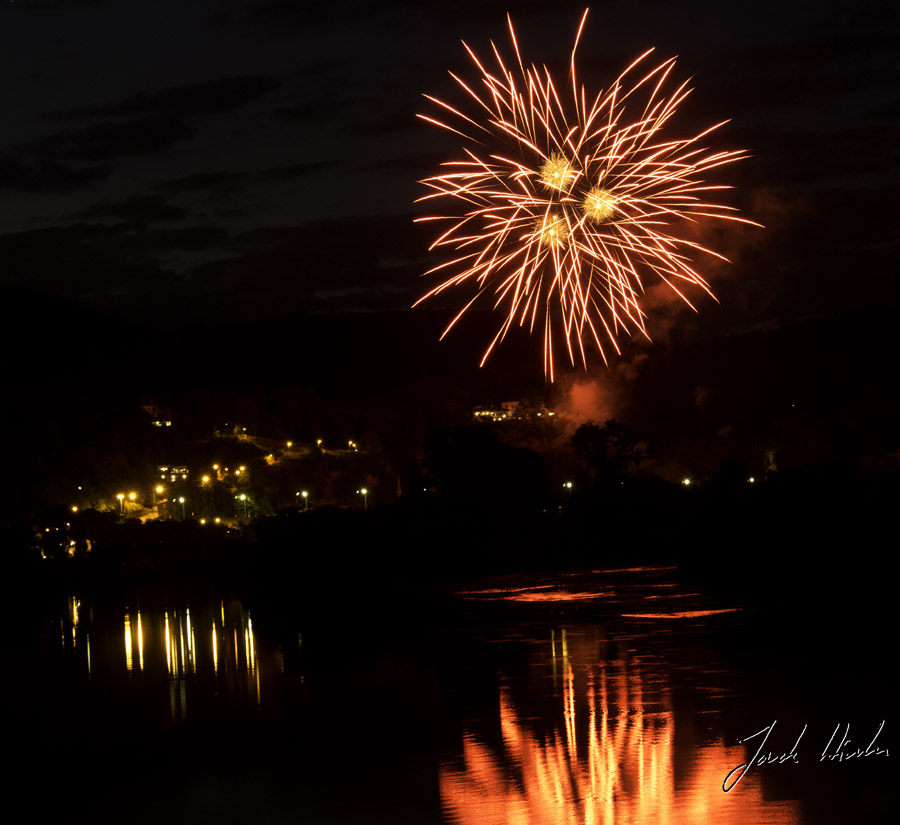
(243,498)
(181,501)
(365,495)
(121,497)
(306,498)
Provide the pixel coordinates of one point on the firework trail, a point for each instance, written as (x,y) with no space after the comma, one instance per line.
(564,203)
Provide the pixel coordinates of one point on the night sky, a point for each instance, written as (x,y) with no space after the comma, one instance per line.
(216,161)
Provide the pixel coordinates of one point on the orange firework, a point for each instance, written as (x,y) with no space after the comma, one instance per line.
(564,203)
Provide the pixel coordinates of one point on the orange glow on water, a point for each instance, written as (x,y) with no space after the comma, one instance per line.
(609,759)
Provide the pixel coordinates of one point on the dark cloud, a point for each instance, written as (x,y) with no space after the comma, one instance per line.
(112,139)
(204,98)
(108,267)
(65,260)
(43,175)
(270,235)
(140,209)
(292,14)
(232,182)
(59,4)
(295,170)
(192,237)
(41,250)
(280,12)
(202,182)
(391,123)
(361,264)
(323,109)
(848,157)
(824,74)
(887,111)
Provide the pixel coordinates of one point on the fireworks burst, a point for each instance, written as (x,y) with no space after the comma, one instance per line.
(564,204)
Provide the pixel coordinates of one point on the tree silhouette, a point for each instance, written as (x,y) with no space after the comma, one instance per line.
(610,451)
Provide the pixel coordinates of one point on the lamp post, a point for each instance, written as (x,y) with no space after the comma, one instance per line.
(365,495)
(181,501)
(306,498)
(121,497)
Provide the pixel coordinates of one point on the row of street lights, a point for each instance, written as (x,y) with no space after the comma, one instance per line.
(121,496)
(363,491)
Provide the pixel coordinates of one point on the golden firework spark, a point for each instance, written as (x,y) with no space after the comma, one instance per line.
(556,173)
(599,205)
(564,204)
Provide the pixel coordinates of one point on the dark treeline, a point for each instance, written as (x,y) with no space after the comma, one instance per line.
(802,414)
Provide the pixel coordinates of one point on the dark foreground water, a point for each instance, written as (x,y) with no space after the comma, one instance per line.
(616,696)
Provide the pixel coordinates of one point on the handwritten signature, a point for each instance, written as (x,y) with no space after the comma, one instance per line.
(838,749)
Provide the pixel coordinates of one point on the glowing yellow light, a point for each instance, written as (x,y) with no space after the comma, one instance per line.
(552,231)
(140,640)
(599,205)
(556,173)
(205,479)
(544,148)
(128,659)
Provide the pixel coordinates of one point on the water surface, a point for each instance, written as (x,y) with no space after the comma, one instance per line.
(607,696)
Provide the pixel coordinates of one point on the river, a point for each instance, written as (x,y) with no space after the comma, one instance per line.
(603,696)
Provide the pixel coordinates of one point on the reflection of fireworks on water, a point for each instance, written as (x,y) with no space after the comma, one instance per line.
(567,201)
